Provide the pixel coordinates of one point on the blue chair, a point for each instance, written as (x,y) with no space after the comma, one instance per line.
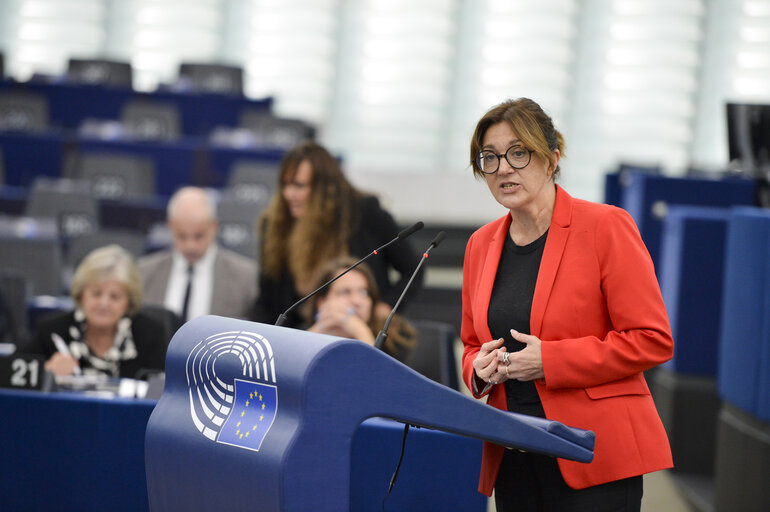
(33,249)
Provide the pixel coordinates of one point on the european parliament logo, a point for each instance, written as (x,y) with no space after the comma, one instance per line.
(232,388)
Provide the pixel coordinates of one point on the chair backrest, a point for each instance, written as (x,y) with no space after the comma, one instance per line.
(132,241)
(69,202)
(100,72)
(275,132)
(15,290)
(212,78)
(39,260)
(434,356)
(170,320)
(159,237)
(238,224)
(150,120)
(253,181)
(23,112)
(115,175)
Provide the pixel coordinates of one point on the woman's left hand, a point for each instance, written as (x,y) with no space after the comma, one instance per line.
(527,363)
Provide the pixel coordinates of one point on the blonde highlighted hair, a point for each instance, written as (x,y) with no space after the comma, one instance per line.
(110,262)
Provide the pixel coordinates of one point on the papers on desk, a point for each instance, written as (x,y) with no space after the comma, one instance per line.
(132,388)
(101,386)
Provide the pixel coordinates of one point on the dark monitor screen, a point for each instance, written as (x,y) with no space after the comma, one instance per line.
(213,78)
(100,72)
(748,135)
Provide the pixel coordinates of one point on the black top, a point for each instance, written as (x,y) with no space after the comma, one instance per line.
(147,335)
(509,308)
(372,228)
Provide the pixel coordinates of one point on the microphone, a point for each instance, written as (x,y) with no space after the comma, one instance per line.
(400,236)
(383,335)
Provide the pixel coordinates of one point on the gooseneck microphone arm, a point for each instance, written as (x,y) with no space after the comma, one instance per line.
(383,335)
(400,236)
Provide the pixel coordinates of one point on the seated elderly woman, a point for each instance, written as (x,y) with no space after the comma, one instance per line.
(347,308)
(105,334)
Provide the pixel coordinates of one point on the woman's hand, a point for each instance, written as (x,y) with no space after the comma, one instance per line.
(487,364)
(526,364)
(337,318)
(61,364)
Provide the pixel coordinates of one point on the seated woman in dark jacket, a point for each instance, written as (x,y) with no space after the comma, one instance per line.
(347,308)
(105,334)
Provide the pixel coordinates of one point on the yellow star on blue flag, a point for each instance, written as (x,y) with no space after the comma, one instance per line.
(252,415)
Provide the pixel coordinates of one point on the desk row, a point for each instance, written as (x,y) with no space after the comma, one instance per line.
(124,169)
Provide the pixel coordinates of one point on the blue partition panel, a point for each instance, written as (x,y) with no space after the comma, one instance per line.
(691,271)
(431,477)
(27,156)
(744,360)
(644,192)
(612,188)
(71,452)
(259,417)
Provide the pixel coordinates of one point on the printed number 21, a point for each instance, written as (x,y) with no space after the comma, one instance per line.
(21,369)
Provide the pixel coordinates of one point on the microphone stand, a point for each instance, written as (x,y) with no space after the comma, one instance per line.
(383,335)
(382,338)
(403,234)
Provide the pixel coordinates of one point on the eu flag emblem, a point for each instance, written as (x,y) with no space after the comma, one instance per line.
(252,415)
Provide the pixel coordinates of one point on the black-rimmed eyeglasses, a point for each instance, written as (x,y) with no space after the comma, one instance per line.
(517,157)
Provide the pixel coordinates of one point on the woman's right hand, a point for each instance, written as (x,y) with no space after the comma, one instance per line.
(61,364)
(486,362)
(336,317)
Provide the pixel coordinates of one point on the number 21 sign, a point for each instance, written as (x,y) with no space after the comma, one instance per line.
(22,371)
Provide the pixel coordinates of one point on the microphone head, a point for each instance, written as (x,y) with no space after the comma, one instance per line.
(438,238)
(411,229)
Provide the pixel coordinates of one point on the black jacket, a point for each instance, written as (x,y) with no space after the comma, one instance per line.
(149,337)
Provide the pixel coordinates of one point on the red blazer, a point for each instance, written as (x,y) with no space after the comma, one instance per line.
(598,310)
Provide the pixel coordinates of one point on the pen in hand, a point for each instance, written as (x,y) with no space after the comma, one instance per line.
(61,346)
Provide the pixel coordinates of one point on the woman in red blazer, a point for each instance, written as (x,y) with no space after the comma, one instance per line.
(561,315)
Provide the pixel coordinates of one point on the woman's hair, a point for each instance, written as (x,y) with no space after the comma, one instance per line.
(401,337)
(322,232)
(529,122)
(104,264)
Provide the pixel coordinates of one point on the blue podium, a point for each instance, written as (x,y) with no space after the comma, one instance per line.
(259,417)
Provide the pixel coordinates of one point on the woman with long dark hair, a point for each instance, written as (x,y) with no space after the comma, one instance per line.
(317,215)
